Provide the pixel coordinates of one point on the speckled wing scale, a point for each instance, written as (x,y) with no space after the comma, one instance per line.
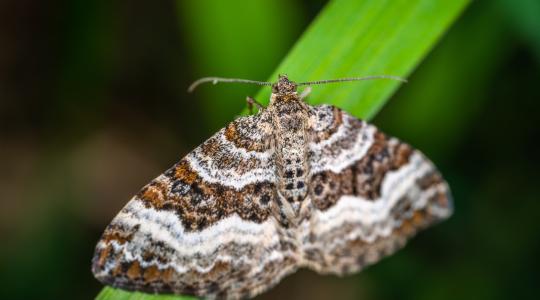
(292,186)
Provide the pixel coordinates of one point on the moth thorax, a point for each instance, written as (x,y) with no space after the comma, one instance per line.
(291,148)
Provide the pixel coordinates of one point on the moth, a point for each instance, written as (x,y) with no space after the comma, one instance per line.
(293,186)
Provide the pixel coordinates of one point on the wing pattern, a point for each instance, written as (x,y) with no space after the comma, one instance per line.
(371,199)
(209,226)
(204,225)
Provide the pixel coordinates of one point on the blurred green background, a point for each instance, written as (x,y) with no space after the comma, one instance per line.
(93,106)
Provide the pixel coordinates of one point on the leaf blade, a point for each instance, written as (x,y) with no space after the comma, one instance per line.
(109,293)
(353,38)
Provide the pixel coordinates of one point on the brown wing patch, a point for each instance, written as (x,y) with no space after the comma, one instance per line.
(200,204)
(364,178)
(382,157)
(241,133)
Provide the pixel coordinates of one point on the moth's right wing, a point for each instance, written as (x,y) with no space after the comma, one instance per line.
(371,193)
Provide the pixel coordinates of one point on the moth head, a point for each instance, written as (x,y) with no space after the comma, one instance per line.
(283,85)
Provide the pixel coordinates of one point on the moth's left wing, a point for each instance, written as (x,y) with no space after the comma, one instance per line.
(370,192)
(205,226)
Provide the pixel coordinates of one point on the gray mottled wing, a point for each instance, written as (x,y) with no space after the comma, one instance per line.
(371,193)
(203,227)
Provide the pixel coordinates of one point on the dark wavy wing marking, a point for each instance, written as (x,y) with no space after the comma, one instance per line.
(369,208)
(203,227)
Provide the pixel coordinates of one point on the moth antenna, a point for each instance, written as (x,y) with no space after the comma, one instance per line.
(353,79)
(215,80)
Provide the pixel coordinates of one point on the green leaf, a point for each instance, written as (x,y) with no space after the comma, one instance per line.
(360,38)
(109,293)
(355,38)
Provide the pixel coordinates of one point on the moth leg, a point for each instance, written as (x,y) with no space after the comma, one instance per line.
(305,93)
(250,102)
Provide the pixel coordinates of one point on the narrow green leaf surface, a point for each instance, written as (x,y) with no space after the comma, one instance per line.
(109,293)
(354,38)
(361,38)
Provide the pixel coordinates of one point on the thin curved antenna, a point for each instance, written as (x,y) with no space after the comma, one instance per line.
(215,80)
(353,79)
